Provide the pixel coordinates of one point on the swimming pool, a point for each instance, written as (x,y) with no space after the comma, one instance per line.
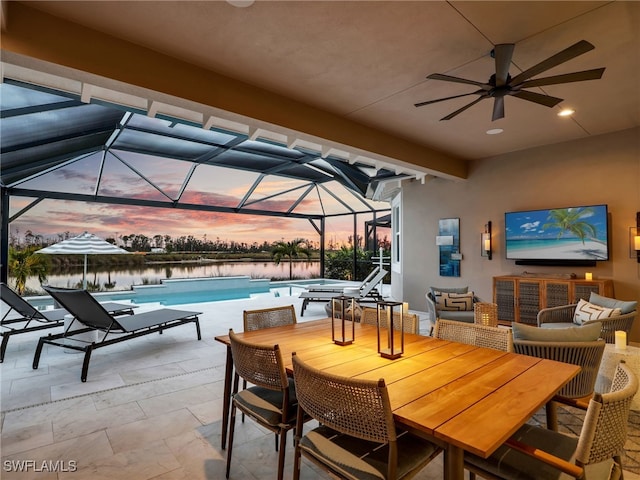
(198,290)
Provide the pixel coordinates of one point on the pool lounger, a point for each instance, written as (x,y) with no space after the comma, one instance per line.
(32,319)
(89,313)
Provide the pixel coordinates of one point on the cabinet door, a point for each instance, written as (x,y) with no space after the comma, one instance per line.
(528,301)
(557,293)
(505,296)
(582,290)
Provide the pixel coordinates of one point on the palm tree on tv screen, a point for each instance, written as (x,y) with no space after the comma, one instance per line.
(571,220)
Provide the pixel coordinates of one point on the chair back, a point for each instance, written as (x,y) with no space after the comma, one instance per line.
(604,432)
(409,320)
(259,364)
(485,313)
(85,308)
(587,355)
(366,289)
(269,317)
(355,407)
(18,303)
(475,334)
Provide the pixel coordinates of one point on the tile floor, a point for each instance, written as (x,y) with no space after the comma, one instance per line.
(150,409)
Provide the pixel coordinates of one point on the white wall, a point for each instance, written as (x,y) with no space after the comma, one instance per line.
(596,170)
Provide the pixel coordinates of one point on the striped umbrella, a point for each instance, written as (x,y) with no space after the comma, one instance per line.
(85,244)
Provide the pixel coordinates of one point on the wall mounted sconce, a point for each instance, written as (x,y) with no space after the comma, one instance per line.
(341,308)
(634,239)
(485,241)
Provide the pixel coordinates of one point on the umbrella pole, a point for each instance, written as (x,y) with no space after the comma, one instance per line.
(84,275)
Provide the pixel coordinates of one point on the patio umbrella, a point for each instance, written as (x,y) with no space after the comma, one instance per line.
(85,244)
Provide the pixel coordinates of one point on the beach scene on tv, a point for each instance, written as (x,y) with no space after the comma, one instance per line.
(577,233)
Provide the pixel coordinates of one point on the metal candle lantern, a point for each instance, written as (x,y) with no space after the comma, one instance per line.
(391,318)
(340,308)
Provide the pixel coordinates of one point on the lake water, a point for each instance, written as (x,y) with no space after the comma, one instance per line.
(123,279)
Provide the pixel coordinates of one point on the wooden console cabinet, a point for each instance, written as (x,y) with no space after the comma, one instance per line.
(520,298)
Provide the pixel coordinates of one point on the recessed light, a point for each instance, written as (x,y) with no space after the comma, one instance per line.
(240,3)
(495,131)
(566,112)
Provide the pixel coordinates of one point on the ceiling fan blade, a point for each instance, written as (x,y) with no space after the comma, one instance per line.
(428,102)
(545,100)
(594,74)
(449,78)
(567,54)
(460,110)
(503,53)
(498,108)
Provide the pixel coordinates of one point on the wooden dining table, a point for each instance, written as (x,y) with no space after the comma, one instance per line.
(462,397)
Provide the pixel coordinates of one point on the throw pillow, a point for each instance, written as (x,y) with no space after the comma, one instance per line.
(586,311)
(435,290)
(625,307)
(586,333)
(460,302)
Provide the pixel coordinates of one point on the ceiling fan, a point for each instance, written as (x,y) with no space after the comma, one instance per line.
(501,83)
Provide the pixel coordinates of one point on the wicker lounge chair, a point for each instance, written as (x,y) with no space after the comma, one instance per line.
(535,452)
(357,437)
(474,334)
(93,317)
(271,401)
(31,319)
(410,322)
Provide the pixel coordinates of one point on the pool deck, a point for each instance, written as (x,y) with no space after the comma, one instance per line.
(150,409)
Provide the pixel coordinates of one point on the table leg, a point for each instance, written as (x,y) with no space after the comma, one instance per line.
(453,463)
(228,372)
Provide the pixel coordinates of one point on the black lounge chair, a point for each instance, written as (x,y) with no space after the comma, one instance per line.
(89,313)
(32,319)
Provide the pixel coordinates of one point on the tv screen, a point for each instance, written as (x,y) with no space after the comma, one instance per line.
(574,233)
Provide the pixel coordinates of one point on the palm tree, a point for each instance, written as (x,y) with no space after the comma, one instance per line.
(290,250)
(24,264)
(570,220)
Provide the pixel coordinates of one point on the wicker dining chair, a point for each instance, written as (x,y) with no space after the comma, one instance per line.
(580,389)
(269,317)
(410,322)
(485,313)
(474,334)
(356,438)
(536,452)
(270,401)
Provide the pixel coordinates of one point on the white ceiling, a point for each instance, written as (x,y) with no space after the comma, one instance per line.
(367,61)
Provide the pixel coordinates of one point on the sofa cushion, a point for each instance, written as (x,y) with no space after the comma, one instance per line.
(461,302)
(625,307)
(585,333)
(460,316)
(586,311)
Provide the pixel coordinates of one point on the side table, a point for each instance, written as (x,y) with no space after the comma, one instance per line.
(610,359)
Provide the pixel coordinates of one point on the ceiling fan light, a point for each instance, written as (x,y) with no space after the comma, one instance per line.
(566,112)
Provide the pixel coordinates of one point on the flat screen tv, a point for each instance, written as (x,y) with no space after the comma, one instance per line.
(558,235)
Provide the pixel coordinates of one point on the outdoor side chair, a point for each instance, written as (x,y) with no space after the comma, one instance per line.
(410,322)
(270,401)
(474,334)
(268,317)
(94,318)
(541,453)
(31,319)
(356,437)
(578,392)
